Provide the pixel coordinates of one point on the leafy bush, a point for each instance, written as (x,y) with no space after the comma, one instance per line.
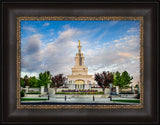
(32,99)
(22,93)
(126,92)
(33,93)
(138,96)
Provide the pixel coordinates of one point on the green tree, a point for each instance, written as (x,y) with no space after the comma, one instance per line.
(34,81)
(126,78)
(136,86)
(117,79)
(26,80)
(58,80)
(44,78)
(22,82)
(122,80)
(103,79)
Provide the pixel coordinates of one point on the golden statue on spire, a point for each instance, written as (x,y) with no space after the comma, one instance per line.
(79,42)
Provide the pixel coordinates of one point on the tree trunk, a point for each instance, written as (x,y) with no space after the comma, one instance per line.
(56,89)
(103,89)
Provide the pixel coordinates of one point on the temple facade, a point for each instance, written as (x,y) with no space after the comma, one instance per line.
(80,78)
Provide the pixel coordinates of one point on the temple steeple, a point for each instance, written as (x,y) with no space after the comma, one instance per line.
(79,60)
(79,47)
(79,54)
(80,78)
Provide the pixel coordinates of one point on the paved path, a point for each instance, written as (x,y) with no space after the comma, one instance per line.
(54,100)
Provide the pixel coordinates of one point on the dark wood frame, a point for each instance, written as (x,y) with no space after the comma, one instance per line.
(148,9)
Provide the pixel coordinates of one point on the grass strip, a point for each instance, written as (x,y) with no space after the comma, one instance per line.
(133,101)
(32,99)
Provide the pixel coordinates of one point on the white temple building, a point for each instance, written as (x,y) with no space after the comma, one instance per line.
(80,78)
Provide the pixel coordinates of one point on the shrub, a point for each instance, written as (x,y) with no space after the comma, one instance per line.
(22,93)
(126,92)
(33,93)
(138,96)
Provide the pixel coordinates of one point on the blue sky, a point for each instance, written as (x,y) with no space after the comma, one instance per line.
(107,45)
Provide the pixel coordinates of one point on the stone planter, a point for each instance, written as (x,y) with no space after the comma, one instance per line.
(107,91)
(27,88)
(51,91)
(48,85)
(42,89)
(117,90)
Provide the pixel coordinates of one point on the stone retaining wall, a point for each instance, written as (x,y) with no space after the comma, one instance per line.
(34,89)
(32,95)
(98,89)
(128,95)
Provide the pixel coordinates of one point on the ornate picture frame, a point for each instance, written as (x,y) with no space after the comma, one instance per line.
(13,112)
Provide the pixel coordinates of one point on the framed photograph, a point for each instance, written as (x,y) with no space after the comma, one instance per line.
(80,62)
(55,37)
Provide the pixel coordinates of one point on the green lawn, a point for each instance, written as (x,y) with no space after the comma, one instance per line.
(133,101)
(32,99)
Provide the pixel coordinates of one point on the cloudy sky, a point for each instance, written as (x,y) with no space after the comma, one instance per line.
(107,46)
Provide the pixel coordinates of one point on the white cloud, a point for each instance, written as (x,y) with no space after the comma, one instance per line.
(51,33)
(46,24)
(96,42)
(116,41)
(116,57)
(133,29)
(33,44)
(125,54)
(66,26)
(29,74)
(112,23)
(58,56)
(51,30)
(30,29)
(31,56)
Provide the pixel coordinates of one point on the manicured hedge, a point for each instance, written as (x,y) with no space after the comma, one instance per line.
(126,92)
(32,99)
(138,96)
(22,93)
(33,93)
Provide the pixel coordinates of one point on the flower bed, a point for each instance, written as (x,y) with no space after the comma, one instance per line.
(63,87)
(80,93)
(73,90)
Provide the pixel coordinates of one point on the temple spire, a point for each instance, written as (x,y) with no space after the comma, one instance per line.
(79,47)
(80,58)
(79,42)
